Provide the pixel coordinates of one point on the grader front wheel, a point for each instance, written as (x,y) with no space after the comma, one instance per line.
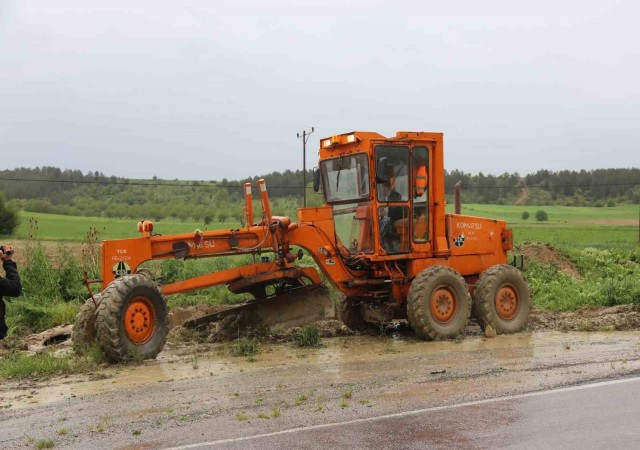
(84,326)
(502,299)
(438,304)
(132,319)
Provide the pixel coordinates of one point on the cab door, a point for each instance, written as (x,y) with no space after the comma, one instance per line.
(420,195)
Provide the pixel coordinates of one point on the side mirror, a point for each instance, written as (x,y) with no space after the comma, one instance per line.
(316,179)
(382,176)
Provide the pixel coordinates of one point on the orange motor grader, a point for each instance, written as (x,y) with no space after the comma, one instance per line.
(382,239)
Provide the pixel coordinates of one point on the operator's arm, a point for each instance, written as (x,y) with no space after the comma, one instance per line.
(11,285)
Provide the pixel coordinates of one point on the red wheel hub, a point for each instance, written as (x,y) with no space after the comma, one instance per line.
(140,320)
(507,302)
(443,304)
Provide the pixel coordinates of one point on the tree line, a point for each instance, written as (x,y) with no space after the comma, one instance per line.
(72,192)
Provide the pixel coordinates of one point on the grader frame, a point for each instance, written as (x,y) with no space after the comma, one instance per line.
(382,239)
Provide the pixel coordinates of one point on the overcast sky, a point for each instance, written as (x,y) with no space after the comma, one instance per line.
(212,89)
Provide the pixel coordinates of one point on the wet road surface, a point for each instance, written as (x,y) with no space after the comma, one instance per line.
(185,398)
(589,416)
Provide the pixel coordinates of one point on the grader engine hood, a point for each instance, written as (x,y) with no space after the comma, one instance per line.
(469,235)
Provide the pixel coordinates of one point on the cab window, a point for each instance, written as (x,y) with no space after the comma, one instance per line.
(420,190)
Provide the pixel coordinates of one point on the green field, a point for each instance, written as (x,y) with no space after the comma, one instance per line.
(567,226)
(55,227)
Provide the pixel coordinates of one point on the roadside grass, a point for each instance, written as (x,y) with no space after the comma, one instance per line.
(24,316)
(245,346)
(308,337)
(609,278)
(42,365)
(45,443)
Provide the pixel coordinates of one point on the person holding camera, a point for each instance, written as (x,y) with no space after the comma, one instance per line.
(9,286)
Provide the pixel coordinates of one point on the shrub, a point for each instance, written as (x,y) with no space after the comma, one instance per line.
(541,216)
(525,215)
(308,337)
(245,347)
(39,279)
(8,217)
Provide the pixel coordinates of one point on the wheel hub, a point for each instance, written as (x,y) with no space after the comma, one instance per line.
(139,320)
(507,302)
(443,305)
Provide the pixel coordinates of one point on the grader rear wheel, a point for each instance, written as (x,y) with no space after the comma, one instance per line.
(438,304)
(84,326)
(502,299)
(132,319)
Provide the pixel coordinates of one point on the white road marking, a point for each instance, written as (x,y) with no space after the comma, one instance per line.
(579,387)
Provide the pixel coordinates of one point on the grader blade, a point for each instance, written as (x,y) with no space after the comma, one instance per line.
(293,308)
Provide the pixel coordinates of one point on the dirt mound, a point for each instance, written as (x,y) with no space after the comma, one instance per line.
(546,254)
(615,318)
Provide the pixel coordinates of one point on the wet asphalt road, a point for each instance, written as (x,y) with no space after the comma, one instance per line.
(592,416)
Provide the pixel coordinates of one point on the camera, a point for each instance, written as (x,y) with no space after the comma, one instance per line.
(6,252)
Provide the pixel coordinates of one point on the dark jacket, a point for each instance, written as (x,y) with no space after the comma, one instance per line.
(10,287)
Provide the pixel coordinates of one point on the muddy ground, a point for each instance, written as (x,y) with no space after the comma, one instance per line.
(199,392)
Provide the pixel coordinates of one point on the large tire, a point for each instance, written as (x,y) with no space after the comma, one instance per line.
(132,319)
(350,314)
(84,327)
(502,299)
(438,304)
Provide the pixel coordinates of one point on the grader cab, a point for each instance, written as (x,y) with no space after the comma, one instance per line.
(383,240)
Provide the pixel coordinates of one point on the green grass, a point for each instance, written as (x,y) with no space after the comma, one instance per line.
(609,278)
(21,365)
(308,337)
(557,214)
(568,226)
(55,227)
(245,346)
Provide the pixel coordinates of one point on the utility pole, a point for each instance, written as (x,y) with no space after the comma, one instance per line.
(305,137)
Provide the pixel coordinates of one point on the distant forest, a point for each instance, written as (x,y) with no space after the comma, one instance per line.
(72,192)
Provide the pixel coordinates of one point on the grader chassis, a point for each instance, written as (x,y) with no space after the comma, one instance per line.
(382,239)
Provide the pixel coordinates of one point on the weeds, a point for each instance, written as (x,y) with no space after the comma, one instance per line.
(263,416)
(275,412)
(241,417)
(308,337)
(45,443)
(610,277)
(136,432)
(63,431)
(21,365)
(348,393)
(245,346)
(300,399)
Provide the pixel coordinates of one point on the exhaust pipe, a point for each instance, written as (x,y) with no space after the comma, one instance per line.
(456,195)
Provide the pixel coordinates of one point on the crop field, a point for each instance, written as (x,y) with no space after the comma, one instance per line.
(55,227)
(566,226)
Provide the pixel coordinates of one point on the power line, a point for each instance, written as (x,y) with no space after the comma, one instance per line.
(239,185)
